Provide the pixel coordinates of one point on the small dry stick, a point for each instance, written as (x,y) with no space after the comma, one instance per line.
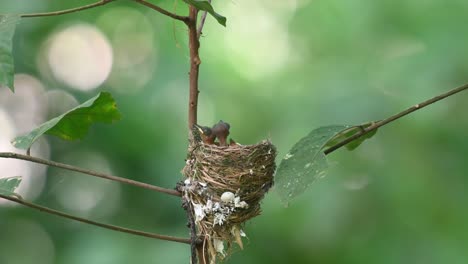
(87,221)
(88,172)
(395,117)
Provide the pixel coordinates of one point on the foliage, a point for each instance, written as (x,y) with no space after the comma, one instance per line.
(8,185)
(305,162)
(7,30)
(399,198)
(75,123)
(206,6)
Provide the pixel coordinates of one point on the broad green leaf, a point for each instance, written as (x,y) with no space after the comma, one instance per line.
(206,6)
(304,163)
(9,185)
(351,132)
(75,123)
(7,30)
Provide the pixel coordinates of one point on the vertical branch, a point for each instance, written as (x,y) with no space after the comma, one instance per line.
(194,45)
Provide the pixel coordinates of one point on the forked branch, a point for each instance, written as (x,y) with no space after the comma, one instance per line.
(104,2)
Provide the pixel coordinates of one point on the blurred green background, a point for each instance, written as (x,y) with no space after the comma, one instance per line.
(279,70)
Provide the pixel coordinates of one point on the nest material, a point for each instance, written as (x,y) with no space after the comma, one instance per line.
(225,185)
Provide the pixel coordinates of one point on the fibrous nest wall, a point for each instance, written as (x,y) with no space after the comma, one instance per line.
(225,186)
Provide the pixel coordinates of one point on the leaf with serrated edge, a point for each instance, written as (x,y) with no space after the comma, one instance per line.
(304,163)
(206,6)
(7,30)
(75,123)
(8,185)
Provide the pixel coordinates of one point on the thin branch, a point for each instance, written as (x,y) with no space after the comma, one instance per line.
(194,45)
(67,11)
(163,11)
(202,22)
(87,221)
(89,172)
(395,117)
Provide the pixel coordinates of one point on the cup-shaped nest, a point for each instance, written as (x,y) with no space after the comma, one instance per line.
(224,186)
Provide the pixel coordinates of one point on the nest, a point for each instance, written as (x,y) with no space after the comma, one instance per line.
(224,186)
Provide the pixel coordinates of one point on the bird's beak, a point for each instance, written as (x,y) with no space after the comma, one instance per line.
(199,128)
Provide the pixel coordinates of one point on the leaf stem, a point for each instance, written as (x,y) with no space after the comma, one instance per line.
(202,22)
(67,11)
(12,155)
(395,117)
(87,221)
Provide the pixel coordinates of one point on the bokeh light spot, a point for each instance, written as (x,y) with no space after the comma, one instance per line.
(85,195)
(21,112)
(59,102)
(80,56)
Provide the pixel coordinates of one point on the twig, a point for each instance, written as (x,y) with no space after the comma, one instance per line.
(202,22)
(395,117)
(163,11)
(67,11)
(87,221)
(89,172)
(194,45)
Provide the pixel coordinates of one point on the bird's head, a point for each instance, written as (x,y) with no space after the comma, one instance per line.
(205,131)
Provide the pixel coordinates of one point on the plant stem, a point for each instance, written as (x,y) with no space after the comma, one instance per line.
(395,117)
(194,45)
(88,172)
(163,11)
(87,221)
(67,11)
(202,22)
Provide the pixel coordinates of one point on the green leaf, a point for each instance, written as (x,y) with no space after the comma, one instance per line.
(206,6)
(9,185)
(304,163)
(7,30)
(351,132)
(75,123)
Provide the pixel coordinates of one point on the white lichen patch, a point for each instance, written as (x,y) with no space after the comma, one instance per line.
(219,246)
(240,204)
(199,212)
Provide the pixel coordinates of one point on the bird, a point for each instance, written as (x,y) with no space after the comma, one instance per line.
(206,133)
(221,131)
